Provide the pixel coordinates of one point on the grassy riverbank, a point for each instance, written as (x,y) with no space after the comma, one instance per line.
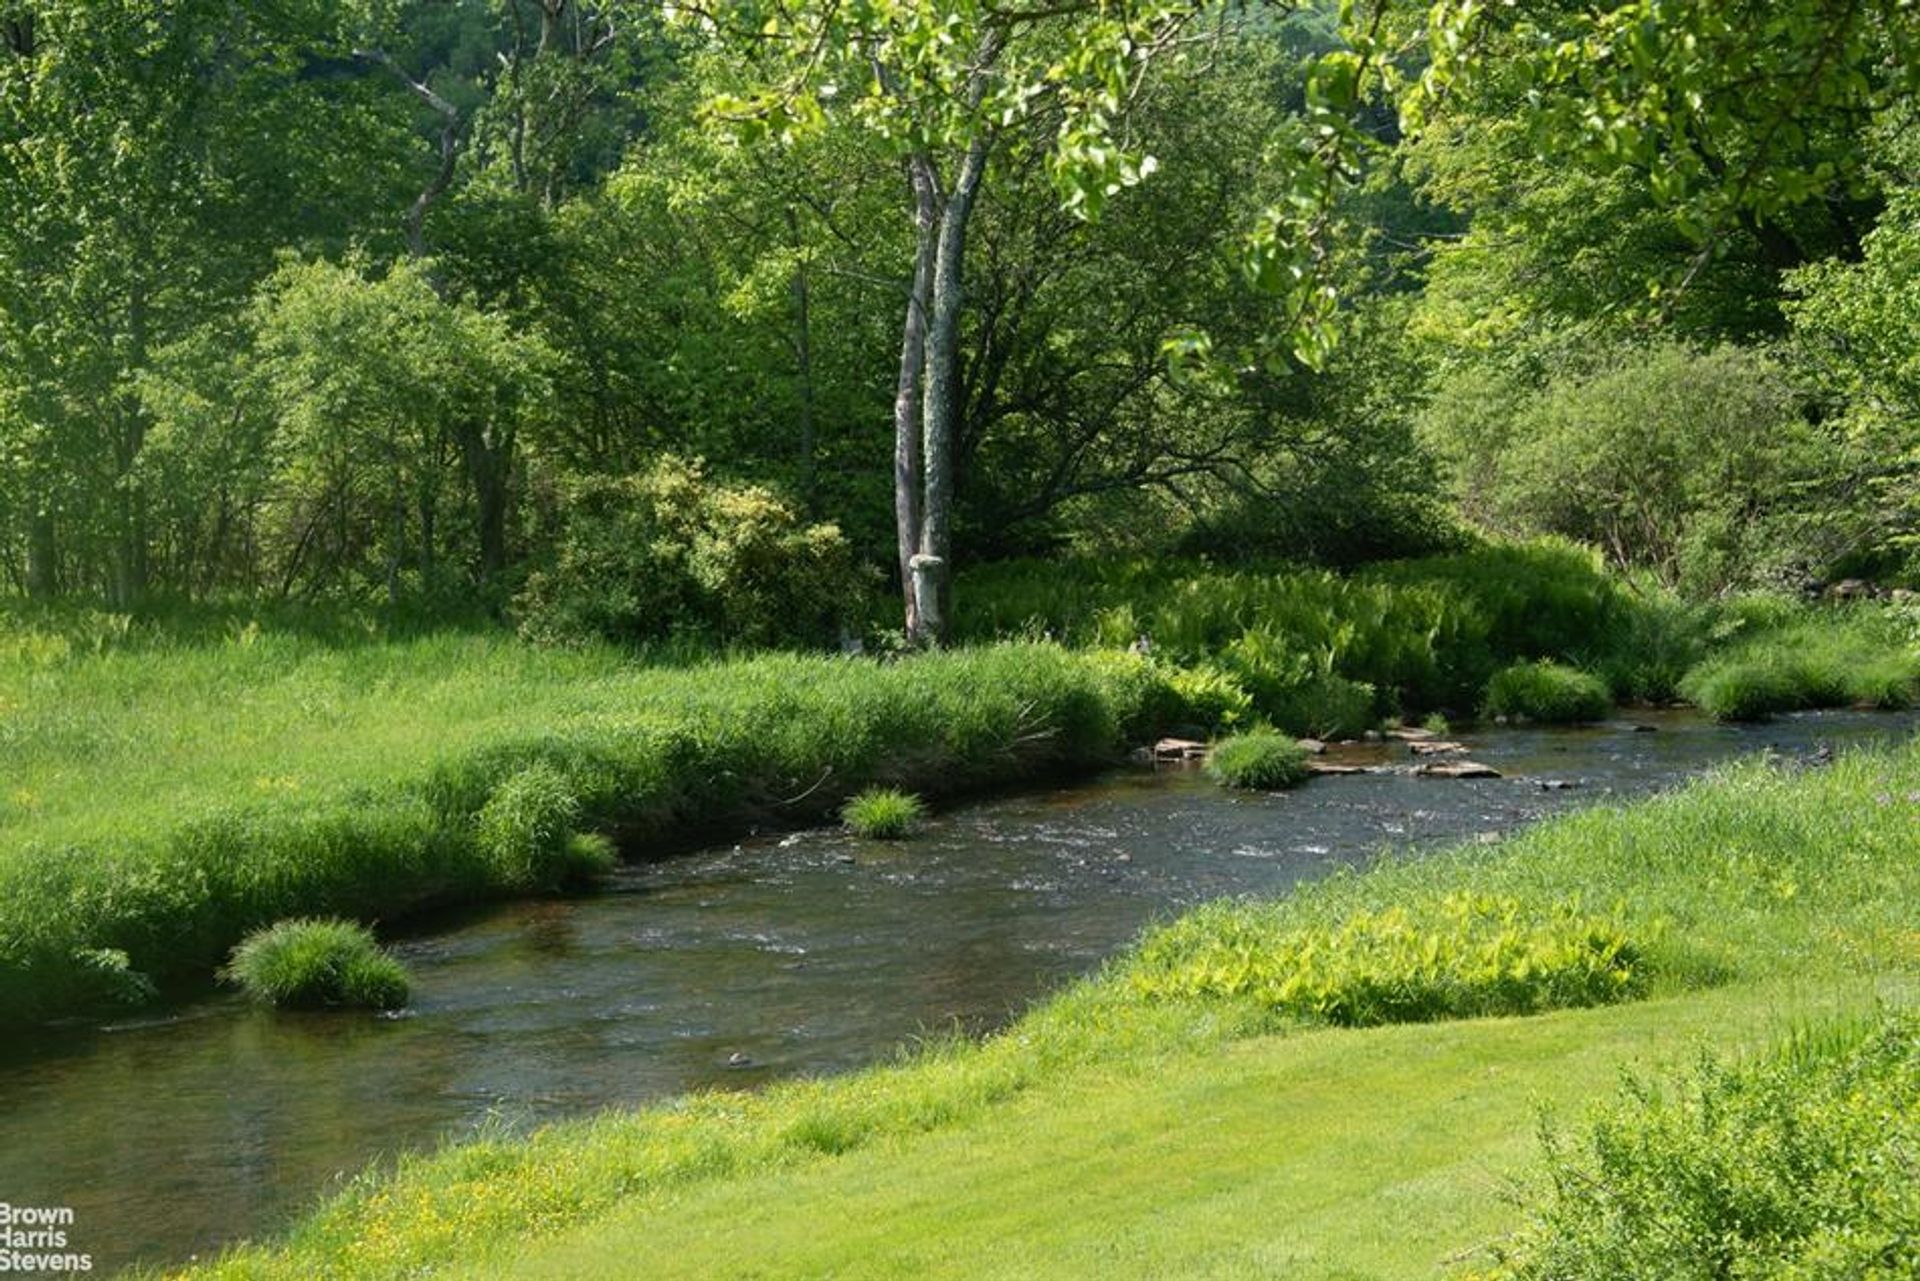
(1127,1129)
(169,787)
(160,803)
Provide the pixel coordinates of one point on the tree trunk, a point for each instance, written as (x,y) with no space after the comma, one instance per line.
(907,395)
(489,466)
(940,398)
(427,535)
(43,576)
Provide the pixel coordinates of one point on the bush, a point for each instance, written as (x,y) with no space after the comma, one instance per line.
(1549,693)
(672,552)
(313,964)
(1462,956)
(1700,467)
(883,813)
(1319,653)
(1800,1164)
(1258,761)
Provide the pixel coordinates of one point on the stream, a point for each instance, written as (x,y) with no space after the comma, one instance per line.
(807,953)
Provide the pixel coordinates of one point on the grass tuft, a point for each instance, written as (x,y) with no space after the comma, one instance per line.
(318,964)
(526,826)
(1550,693)
(883,814)
(1261,760)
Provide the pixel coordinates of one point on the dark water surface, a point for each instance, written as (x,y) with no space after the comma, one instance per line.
(806,953)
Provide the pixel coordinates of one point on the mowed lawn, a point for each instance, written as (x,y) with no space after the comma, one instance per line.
(1380,1153)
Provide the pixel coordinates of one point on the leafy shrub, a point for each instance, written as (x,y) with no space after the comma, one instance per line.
(526,826)
(1325,707)
(1208,697)
(1320,653)
(1800,1164)
(1296,690)
(1461,956)
(883,813)
(105,976)
(311,964)
(1700,467)
(1548,692)
(670,551)
(1258,761)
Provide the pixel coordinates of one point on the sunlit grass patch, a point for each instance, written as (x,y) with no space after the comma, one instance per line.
(883,814)
(1463,955)
(1551,693)
(1841,661)
(1260,760)
(316,964)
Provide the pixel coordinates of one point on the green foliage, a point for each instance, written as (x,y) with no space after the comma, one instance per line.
(313,963)
(326,802)
(1551,693)
(1462,956)
(526,827)
(1210,698)
(378,385)
(1731,115)
(883,813)
(1795,1164)
(1260,760)
(671,552)
(1837,661)
(1700,468)
(1316,652)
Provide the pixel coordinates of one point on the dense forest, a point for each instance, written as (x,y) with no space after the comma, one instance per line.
(630,320)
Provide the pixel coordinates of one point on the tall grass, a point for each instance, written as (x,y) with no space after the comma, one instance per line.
(1550,693)
(1844,659)
(159,803)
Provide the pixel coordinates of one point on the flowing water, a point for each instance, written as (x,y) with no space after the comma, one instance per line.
(804,953)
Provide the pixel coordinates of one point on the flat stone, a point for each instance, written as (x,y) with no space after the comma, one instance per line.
(1179,749)
(1435,748)
(1456,769)
(1555,784)
(1313,747)
(1411,734)
(1323,767)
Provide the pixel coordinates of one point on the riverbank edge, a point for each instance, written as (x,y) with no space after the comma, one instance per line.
(772,741)
(495,1198)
